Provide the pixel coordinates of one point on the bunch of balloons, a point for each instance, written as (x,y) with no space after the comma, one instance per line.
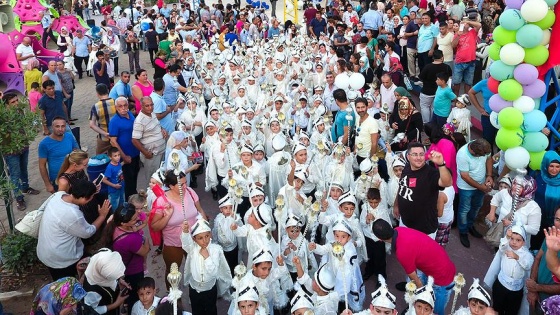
(258,4)
(520,46)
(355,81)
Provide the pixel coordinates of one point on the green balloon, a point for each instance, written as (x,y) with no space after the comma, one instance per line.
(510,117)
(509,138)
(503,36)
(510,90)
(529,36)
(536,56)
(535,160)
(547,22)
(500,71)
(535,141)
(494,51)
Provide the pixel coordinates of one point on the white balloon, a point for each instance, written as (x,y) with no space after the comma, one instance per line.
(517,158)
(494,120)
(289,5)
(534,10)
(342,81)
(546,37)
(357,81)
(512,54)
(525,104)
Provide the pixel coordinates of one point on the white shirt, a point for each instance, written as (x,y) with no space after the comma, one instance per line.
(24,51)
(529,215)
(447,215)
(60,235)
(138,308)
(388,96)
(363,136)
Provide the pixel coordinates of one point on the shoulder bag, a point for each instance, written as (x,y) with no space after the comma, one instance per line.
(31,222)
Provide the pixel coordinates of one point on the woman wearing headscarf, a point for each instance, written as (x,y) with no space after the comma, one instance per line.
(112,41)
(106,290)
(527,212)
(366,71)
(547,195)
(58,297)
(406,121)
(177,143)
(64,40)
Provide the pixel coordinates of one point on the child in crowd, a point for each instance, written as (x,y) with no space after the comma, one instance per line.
(148,299)
(478,299)
(445,215)
(460,116)
(256,231)
(374,209)
(340,257)
(395,167)
(424,299)
(139,201)
(386,133)
(294,244)
(442,100)
(509,270)
(322,286)
(247,301)
(114,178)
(34,95)
(223,234)
(206,272)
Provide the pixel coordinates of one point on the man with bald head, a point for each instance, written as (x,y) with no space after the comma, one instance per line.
(149,138)
(24,52)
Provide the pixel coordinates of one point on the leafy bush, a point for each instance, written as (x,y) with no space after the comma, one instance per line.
(19,252)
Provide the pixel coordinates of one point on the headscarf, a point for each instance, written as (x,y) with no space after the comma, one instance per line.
(402,91)
(410,108)
(365,60)
(552,189)
(175,138)
(32,63)
(57,296)
(397,17)
(528,188)
(105,268)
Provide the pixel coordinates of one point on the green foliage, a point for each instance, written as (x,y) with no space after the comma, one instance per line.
(19,252)
(18,126)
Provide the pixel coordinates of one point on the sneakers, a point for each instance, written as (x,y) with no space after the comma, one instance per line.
(464,238)
(21,205)
(31,191)
(474,232)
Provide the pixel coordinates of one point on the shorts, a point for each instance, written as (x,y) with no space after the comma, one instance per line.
(464,73)
(442,234)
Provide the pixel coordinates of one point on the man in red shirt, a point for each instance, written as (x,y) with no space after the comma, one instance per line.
(309,14)
(420,256)
(464,42)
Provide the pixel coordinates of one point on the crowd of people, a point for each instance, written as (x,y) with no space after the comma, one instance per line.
(317,178)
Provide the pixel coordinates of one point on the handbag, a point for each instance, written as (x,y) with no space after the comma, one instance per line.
(494,234)
(31,222)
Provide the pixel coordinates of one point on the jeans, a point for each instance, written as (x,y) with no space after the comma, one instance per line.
(423,59)
(130,174)
(134,59)
(464,73)
(438,120)
(46,34)
(470,202)
(78,61)
(116,199)
(69,101)
(17,166)
(441,293)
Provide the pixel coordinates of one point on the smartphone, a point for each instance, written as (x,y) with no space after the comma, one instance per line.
(124,292)
(462,27)
(99,179)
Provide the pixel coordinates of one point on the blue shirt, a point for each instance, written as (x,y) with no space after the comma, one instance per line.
(318,26)
(165,12)
(120,89)
(115,175)
(340,122)
(170,91)
(52,107)
(273,31)
(482,87)
(121,128)
(404,11)
(426,37)
(231,38)
(81,45)
(442,101)
(160,106)
(55,151)
(372,20)
(46,21)
(54,77)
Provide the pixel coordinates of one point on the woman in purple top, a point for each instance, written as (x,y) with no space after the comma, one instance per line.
(123,237)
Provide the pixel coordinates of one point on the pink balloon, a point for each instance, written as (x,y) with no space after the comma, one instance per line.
(514,4)
(526,73)
(535,89)
(497,103)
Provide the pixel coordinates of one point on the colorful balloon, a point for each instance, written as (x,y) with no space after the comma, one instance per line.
(517,158)
(534,121)
(535,160)
(512,54)
(511,20)
(537,55)
(524,104)
(510,118)
(497,103)
(547,22)
(529,36)
(509,138)
(514,4)
(510,89)
(500,70)
(526,73)
(493,85)
(503,36)
(535,89)
(494,120)
(535,141)
(534,10)
(494,51)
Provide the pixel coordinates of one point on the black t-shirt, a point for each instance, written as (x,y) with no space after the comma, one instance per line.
(428,76)
(417,196)
(151,39)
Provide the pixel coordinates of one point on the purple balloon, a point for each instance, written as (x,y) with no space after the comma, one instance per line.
(526,73)
(535,89)
(514,4)
(497,103)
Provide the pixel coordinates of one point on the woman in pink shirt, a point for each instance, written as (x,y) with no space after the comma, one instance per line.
(142,87)
(170,215)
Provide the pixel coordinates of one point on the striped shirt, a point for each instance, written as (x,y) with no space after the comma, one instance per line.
(103,111)
(148,131)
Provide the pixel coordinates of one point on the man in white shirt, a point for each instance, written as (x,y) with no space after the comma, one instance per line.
(387,91)
(24,51)
(390,53)
(367,131)
(348,15)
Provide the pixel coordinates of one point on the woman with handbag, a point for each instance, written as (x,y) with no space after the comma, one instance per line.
(170,213)
(547,195)
(406,121)
(526,211)
(123,237)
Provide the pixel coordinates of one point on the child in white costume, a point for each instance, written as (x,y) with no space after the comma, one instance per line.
(294,244)
(424,300)
(205,269)
(460,116)
(341,256)
(382,301)
(368,179)
(302,303)
(478,299)
(247,300)
(222,233)
(320,287)
(278,166)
